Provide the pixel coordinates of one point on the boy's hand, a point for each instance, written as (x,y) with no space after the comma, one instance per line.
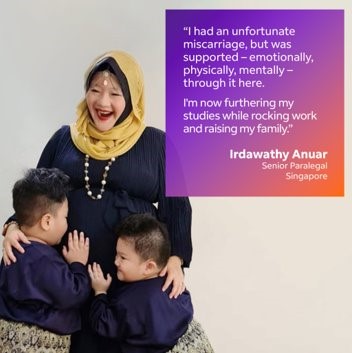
(77,248)
(100,284)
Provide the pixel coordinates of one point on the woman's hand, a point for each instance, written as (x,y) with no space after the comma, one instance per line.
(175,276)
(12,240)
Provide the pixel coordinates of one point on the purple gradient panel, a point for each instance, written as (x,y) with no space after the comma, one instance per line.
(198,164)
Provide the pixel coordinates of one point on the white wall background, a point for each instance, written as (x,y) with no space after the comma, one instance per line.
(269,275)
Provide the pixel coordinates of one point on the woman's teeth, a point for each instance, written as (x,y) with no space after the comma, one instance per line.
(104,114)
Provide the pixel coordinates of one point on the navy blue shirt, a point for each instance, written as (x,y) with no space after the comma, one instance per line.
(142,317)
(42,289)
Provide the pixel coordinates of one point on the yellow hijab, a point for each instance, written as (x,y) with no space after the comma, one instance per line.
(104,145)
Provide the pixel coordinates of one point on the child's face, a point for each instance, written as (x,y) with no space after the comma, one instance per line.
(58,224)
(130,267)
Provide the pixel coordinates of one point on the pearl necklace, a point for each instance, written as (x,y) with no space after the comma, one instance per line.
(103,182)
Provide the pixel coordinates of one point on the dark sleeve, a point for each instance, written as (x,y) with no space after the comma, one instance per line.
(105,319)
(51,280)
(50,149)
(73,286)
(176,213)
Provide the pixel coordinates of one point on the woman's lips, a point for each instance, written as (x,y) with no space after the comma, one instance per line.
(104,115)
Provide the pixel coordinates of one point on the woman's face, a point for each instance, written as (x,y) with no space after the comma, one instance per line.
(105,100)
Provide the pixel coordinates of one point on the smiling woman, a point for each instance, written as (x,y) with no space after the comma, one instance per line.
(107,94)
(105,100)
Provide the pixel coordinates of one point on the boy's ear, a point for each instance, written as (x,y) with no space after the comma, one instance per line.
(151,267)
(45,221)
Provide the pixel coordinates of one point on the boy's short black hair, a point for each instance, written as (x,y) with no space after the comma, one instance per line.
(39,192)
(149,236)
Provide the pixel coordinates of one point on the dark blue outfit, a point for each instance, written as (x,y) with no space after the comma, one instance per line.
(42,289)
(135,184)
(142,317)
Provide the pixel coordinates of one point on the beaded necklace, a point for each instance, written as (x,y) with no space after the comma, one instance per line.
(103,182)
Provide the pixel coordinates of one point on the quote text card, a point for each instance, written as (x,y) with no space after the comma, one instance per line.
(255,102)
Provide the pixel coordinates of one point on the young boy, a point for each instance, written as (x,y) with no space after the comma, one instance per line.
(40,294)
(140,315)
